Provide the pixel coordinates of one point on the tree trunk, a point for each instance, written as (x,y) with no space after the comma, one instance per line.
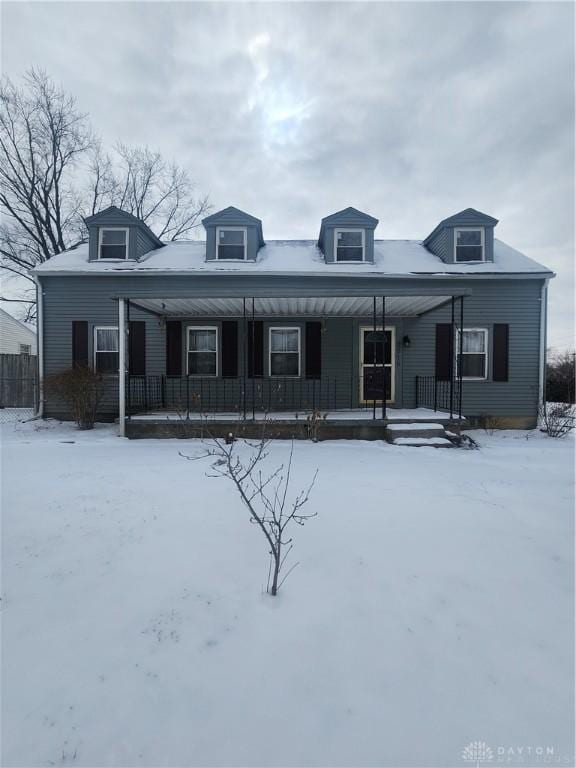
(274,588)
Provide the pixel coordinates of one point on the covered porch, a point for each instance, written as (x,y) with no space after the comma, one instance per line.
(343,359)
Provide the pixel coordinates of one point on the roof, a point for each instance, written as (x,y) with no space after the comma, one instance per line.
(391,257)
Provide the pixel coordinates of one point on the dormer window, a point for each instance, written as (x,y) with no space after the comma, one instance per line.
(231,243)
(350,244)
(469,244)
(113,243)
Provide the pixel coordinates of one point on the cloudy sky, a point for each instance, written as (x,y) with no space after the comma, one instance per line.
(290,111)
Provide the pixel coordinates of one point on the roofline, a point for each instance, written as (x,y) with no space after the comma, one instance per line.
(20,323)
(361,275)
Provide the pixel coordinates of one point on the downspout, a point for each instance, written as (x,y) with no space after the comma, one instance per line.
(543,332)
(40,341)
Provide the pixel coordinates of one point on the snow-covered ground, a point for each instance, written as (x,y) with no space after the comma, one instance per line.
(432,606)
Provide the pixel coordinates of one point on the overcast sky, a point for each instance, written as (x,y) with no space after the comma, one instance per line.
(408,111)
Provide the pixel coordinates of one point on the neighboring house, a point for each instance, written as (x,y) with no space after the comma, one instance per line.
(240,325)
(16,338)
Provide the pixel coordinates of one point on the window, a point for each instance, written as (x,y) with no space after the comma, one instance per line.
(469,244)
(106,349)
(231,243)
(202,351)
(349,244)
(25,349)
(284,351)
(474,353)
(113,244)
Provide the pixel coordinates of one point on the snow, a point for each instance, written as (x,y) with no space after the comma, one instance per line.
(391,257)
(432,605)
(431,442)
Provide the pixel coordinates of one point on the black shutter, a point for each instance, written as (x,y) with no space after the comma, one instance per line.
(444,351)
(500,352)
(258,354)
(173,348)
(79,343)
(313,350)
(229,348)
(137,348)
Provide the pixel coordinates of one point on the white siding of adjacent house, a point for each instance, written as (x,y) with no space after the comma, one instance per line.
(13,333)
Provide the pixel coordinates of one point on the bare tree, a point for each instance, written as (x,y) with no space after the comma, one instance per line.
(43,136)
(265,495)
(142,182)
(53,172)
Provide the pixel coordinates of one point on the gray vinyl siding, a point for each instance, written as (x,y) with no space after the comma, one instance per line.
(513,301)
(441,244)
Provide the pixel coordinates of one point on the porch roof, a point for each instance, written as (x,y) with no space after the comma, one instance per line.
(305,306)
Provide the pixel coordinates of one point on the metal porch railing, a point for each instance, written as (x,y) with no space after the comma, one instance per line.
(191,396)
(439,394)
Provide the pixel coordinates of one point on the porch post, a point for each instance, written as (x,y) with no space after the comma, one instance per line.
(127,388)
(244,356)
(122,366)
(253,369)
(374,362)
(384,358)
(452,363)
(460,350)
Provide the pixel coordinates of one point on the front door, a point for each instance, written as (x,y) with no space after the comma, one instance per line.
(376,378)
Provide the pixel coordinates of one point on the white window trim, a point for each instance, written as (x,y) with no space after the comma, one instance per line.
(457,352)
(482,244)
(96,350)
(113,229)
(270,353)
(349,229)
(193,351)
(232,229)
(25,349)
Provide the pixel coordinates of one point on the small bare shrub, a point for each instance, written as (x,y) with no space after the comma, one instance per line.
(313,422)
(264,493)
(81,389)
(557,419)
(490,423)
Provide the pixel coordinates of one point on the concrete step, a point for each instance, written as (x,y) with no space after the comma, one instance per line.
(415,430)
(424,442)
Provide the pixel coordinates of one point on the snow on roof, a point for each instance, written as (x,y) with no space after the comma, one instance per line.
(391,257)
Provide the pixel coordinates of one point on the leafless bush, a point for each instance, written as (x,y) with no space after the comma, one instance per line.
(313,422)
(81,389)
(264,494)
(557,419)
(490,423)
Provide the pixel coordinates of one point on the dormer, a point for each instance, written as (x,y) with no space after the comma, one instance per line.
(465,238)
(116,235)
(347,237)
(232,235)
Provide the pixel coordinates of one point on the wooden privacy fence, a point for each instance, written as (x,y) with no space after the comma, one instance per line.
(18,381)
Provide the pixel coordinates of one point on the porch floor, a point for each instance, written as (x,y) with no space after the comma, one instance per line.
(398,415)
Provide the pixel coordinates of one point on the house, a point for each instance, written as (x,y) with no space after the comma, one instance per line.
(346,324)
(16,338)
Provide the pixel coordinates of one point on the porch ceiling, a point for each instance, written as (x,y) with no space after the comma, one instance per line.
(323,306)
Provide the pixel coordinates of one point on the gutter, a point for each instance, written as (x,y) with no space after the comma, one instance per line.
(261,273)
(40,331)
